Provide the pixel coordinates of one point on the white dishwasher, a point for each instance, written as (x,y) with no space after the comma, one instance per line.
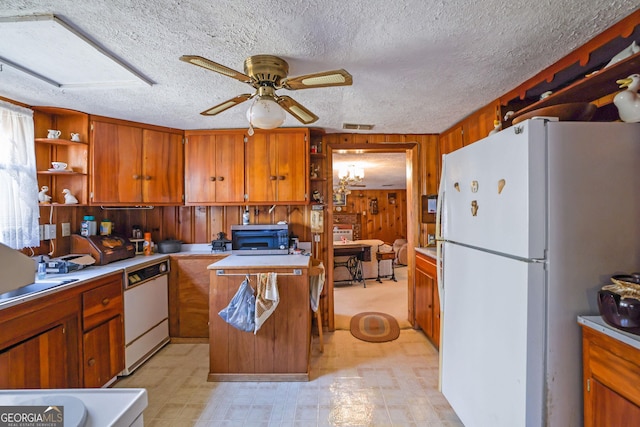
(146,312)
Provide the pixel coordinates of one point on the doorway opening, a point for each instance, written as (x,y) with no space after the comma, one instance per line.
(408,152)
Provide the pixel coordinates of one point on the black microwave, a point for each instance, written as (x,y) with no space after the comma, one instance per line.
(256,239)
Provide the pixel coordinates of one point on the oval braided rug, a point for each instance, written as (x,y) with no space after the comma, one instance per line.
(374,327)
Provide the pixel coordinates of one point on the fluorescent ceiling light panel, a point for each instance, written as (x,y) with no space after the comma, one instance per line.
(47,48)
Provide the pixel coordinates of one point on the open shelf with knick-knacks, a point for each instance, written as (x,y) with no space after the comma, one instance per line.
(587,75)
(317,170)
(70,146)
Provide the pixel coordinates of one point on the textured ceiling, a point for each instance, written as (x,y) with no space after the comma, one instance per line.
(418,66)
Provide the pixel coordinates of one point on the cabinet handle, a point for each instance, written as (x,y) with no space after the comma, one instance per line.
(91,362)
(212,178)
(281,178)
(273,178)
(221,178)
(136,176)
(105,301)
(147,177)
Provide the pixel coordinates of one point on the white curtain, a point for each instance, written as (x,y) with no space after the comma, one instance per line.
(19,211)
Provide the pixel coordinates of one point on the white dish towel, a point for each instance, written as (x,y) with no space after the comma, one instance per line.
(267,297)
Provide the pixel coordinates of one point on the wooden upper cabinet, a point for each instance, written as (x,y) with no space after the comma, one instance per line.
(214,165)
(162,167)
(117,163)
(276,166)
(132,164)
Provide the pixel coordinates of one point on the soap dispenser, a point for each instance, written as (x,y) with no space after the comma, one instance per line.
(42,269)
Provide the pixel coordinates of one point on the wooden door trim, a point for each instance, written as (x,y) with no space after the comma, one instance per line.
(412,150)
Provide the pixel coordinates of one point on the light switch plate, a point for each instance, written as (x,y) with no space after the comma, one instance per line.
(66,229)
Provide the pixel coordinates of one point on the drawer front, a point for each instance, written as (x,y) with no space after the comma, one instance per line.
(615,371)
(426,264)
(101,304)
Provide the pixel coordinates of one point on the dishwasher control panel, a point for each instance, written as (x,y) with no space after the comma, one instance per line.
(144,274)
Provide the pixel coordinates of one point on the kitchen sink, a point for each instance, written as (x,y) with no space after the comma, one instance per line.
(39,286)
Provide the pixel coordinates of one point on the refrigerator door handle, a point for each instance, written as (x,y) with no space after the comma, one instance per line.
(439,254)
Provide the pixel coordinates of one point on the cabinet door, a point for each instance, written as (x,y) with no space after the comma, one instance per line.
(103,350)
(162,167)
(200,176)
(189,297)
(427,300)
(611,409)
(229,166)
(276,167)
(435,336)
(261,169)
(214,165)
(39,362)
(292,166)
(117,163)
(424,303)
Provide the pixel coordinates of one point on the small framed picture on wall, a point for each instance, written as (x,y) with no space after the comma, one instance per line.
(339,199)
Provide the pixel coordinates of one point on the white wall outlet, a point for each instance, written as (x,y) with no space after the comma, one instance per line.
(49,231)
(66,229)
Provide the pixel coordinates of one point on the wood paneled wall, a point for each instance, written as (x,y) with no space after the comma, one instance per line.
(190,224)
(390,221)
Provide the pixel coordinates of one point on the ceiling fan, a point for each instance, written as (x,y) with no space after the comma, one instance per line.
(266,74)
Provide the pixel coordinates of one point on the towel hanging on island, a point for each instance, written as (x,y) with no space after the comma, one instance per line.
(267,298)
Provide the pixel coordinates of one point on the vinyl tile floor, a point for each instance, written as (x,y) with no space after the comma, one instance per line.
(353,383)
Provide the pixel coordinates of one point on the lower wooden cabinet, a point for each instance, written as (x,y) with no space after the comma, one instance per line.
(39,344)
(189,295)
(38,362)
(427,298)
(611,381)
(68,339)
(103,353)
(280,350)
(103,338)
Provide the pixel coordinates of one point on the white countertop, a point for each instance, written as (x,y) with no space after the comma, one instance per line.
(266,261)
(104,406)
(597,323)
(429,251)
(81,276)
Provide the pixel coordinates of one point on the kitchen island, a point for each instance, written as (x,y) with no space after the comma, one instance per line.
(280,350)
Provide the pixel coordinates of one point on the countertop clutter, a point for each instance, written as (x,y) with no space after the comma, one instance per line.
(56,282)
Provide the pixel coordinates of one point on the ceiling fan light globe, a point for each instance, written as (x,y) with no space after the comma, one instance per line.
(265,113)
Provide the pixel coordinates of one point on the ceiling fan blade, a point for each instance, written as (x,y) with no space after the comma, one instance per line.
(323,79)
(226,104)
(214,66)
(296,110)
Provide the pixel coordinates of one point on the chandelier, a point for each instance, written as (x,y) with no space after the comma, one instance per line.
(350,175)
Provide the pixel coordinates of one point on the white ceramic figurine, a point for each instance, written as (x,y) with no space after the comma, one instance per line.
(628,101)
(43,197)
(69,199)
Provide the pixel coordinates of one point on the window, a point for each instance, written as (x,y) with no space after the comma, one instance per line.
(19,211)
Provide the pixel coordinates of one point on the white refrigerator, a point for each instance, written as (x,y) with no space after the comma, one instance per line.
(533,221)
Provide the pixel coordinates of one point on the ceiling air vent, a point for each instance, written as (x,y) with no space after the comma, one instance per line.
(354,126)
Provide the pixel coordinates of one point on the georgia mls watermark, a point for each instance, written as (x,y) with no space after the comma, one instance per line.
(31,416)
